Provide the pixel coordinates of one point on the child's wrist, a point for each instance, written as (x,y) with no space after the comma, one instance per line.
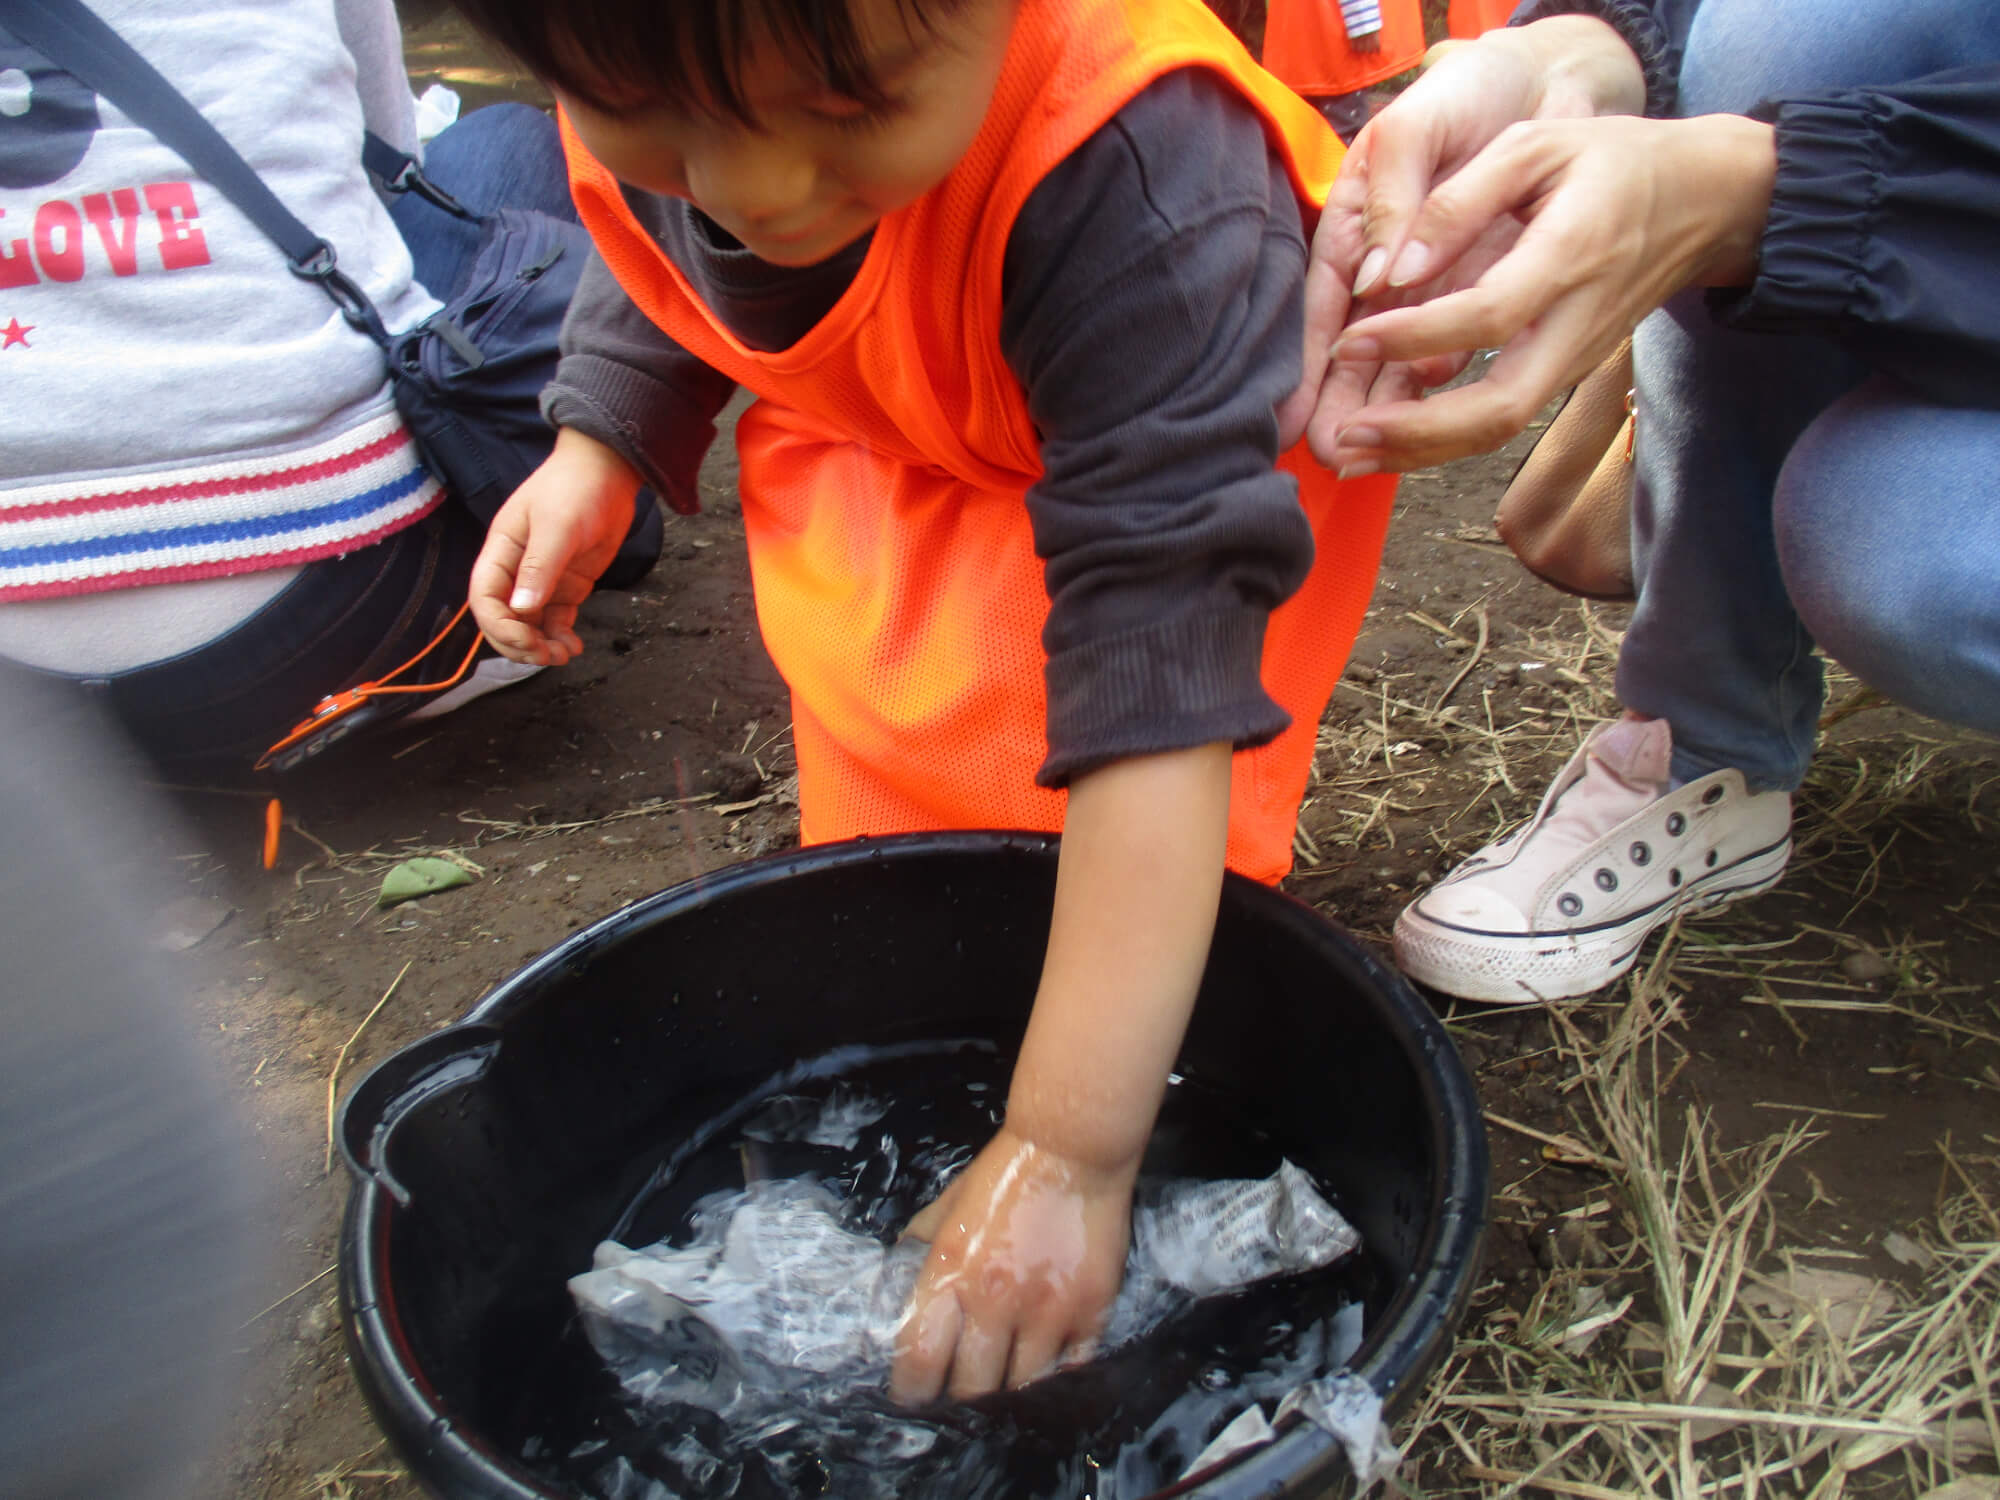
(578,449)
(1093,1137)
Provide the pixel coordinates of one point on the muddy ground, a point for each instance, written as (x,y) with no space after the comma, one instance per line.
(571,794)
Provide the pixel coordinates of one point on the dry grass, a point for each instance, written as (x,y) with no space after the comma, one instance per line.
(1668,1372)
(1704,1357)
(371,1475)
(1377,754)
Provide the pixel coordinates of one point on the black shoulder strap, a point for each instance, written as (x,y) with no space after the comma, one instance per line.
(70,34)
(399,172)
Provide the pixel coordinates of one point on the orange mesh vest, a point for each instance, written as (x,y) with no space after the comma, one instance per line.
(885,465)
(1306,45)
(1468,18)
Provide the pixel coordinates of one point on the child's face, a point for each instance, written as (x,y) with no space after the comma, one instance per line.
(821,169)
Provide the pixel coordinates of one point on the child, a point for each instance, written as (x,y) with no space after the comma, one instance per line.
(1018,283)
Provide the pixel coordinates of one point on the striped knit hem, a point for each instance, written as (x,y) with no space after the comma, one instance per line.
(212,520)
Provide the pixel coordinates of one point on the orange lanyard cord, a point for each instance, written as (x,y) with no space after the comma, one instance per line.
(379,685)
(337,705)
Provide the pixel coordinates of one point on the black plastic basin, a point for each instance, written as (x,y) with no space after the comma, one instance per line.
(490,1157)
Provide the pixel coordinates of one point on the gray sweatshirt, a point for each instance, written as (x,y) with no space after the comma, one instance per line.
(183,420)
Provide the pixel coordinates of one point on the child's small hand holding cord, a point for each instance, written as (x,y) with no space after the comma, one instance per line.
(547,547)
(1028,1244)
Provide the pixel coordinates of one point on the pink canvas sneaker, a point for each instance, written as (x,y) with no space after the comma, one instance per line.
(1562,905)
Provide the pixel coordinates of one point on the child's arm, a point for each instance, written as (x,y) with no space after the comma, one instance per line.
(547,547)
(622,381)
(1028,1243)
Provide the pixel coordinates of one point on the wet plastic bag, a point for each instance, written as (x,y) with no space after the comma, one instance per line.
(773,1292)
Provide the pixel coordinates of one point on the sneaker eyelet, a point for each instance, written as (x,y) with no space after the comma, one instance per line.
(1569,904)
(1640,854)
(1712,796)
(1711,859)
(1673,877)
(1606,881)
(1676,824)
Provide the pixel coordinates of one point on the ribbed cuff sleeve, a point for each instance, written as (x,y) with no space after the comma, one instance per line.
(1813,268)
(1195,680)
(1635,22)
(656,428)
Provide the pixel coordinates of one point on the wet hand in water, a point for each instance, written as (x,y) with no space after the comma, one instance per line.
(1027,1253)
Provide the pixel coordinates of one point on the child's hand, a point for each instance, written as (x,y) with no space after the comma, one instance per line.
(1027,1251)
(547,547)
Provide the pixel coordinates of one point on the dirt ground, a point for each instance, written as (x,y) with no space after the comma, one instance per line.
(1859,998)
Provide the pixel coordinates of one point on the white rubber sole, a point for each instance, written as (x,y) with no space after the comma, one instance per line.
(1499,968)
(488,675)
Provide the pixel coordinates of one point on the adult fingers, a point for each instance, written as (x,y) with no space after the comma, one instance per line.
(1328,275)
(1398,382)
(1466,97)
(1481,415)
(1575,251)
(1330,269)
(1504,179)
(1512,294)
(1401,158)
(1344,394)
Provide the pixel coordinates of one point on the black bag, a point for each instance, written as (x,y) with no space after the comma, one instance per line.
(468,379)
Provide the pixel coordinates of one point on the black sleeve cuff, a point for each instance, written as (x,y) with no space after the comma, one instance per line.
(1813,261)
(1195,680)
(1635,22)
(657,428)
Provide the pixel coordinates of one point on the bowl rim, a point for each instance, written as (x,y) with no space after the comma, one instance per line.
(1399,1353)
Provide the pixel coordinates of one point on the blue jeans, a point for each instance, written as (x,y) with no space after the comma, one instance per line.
(503,156)
(348,619)
(1787,496)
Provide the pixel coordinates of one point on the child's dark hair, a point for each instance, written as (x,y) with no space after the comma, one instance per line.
(611,53)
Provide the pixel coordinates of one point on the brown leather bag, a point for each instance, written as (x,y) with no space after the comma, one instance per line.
(1567,515)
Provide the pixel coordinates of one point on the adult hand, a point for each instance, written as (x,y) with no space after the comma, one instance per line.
(1363,248)
(547,547)
(1027,1252)
(1619,214)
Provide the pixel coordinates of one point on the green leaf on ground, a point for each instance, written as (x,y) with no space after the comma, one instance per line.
(421,877)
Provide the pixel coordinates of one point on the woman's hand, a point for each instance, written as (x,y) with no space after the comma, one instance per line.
(1027,1252)
(547,547)
(1365,247)
(1618,215)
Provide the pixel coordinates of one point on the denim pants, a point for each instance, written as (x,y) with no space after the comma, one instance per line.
(348,619)
(1785,494)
